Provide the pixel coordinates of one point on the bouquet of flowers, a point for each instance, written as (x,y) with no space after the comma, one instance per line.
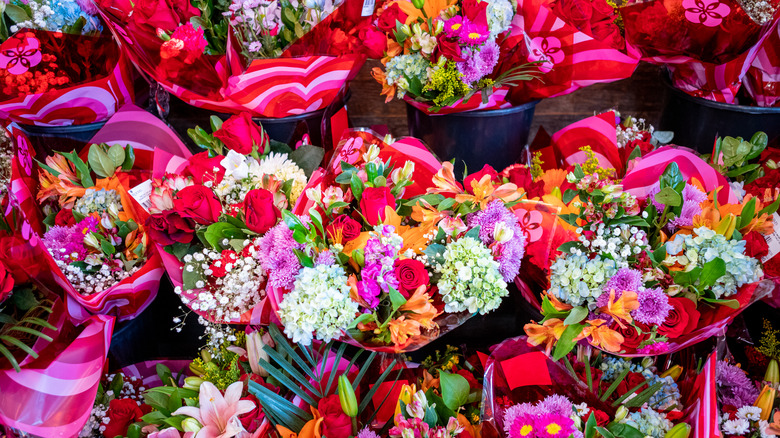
(388,269)
(746,411)
(648,273)
(268,58)
(707,47)
(70,16)
(211,211)
(528,394)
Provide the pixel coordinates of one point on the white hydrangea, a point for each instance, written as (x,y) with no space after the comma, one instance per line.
(499,16)
(575,279)
(319,303)
(470,279)
(705,245)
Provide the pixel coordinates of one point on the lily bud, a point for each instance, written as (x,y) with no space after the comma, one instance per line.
(647,362)
(406,30)
(357,255)
(438,27)
(621,413)
(416,28)
(163,35)
(347,397)
(193,383)
(418,3)
(681,430)
(191,425)
(91,240)
(106,222)
(772,373)
(196,369)
(371,154)
(765,401)
(502,233)
(673,372)
(388,139)
(255,352)
(113,210)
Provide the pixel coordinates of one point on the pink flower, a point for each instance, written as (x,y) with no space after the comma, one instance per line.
(707,12)
(454,26)
(474,34)
(217,413)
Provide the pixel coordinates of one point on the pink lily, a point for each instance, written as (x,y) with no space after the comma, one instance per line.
(217,413)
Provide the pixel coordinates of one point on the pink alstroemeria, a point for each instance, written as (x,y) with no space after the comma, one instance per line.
(217,413)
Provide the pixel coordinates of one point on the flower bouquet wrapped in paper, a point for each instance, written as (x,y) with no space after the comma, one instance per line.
(267,58)
(661,261)
(707,46)
(451,56)
(387,269)
(526,393)
(211,211)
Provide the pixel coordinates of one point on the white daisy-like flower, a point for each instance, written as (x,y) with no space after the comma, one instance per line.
(749,413)
(736,427)
(285,169)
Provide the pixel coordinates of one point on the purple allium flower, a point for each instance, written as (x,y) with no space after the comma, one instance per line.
(277,256)
(734,387)
(625,279)
(653,308)
(511,252)
(653,349)
(454,26)
(556,404)
(554,426)
(478,63)
(367,433)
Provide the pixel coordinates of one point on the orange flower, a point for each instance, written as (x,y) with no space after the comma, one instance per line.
(425,213)
(387,89)
(445,181)
(553,178)
(485,191)
(402,331)
(557,303)
(621,308)
(431,9)
(428,381)
(413,237)
(312,428)
(603,336)
(419,304)
(547,333)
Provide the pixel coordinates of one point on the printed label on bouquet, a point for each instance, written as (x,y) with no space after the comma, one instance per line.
(141,194)
(368,7)
(773,240)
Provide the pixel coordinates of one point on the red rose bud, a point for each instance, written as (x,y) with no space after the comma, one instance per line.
(241,134)
(6,282)
(755,245)
(373,204)
(260,213)
(335,422)
(169,227)
(202,168)
(387,20)
(344,226)
(411,274)
(121,413)
(64,218)
(198,202)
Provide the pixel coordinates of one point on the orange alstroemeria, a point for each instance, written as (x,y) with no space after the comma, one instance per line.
(431,9)
(445,181)
(312,428)
(387,89)
(429,381)
(413,237)
(545,334)
(553,178)
(485,191)
(419,304)
(557,304)
(64,190)
(425,213)
(402,332)
(621,308)
(602,336)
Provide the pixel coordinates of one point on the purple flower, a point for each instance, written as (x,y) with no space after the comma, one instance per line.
(625,279)
(367,433)
(474,34)
(654,349)
(692,199)
(653,308)
(478,63)
(369,291)
(517,411)
(510,253)
(734,387)
(67,243)
(325,258)
(454,26)
(277,256)
(522,427)
(556,404)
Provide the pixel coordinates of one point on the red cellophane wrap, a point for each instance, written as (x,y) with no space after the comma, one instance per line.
(125,299)
(574,52)
(762,81)
(707,45)
(52,395)
(92,79)
(309,75)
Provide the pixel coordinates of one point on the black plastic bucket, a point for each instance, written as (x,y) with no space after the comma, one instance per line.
(46,139)
(698,122)
(289,130)
(494,137)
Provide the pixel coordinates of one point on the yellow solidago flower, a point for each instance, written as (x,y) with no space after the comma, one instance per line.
(591,165)
(447,82)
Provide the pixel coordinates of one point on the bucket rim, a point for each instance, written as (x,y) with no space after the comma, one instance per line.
(484,113)
(66,129)
(732,107)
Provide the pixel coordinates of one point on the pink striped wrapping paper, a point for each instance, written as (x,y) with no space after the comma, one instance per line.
(496,100)
(762,80)
(598,132)
(77,104)
(55,399)
(701,410)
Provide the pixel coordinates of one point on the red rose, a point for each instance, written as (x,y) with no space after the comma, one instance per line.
(260,213)
(348,227)
(65,218)
(119,8)
(373,203)
(447,48)
(608,32)
(601,10)
(473,383)
(602,418)
(520,175)
(411,274)
(241,134)
(576,12)
(201,168)
(335,423)
(477,176)
(169,227)
(682,319)
(674,415)
(631,338)
(218,266)
(6,282)
(20,258)
(374,42)
(164,14)
(198,202)
(756,246)
(629,383)
(122,413)
(388,17)
(254,418)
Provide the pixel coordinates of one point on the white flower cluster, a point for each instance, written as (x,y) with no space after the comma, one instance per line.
(318,303)
(470,279)
(741,425)
(651,423)
(91,283)
(243,174)
(627,134)
(499,16)
(94,426)
(576,279)
(98,418)
(619,242)
(284,169)
(227,297)
(705,245)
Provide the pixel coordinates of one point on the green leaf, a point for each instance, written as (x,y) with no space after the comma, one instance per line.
(216,232)
(154,417)
(127,164)
(117,155)
(624,431)
(174,402)
(566,342)
(24,299)
(590,426)
(660,254)
(734,304)
(771,208)
(454,389)
(81,168)
(191,279)
(15,13)
(568,195)
(688,278)
(567,246)
(216,123)
(748,213)
(604,432)
(671,176)
(134,430)
(668,196)
(100,162)
(576,315)
(711,272)
(308,158)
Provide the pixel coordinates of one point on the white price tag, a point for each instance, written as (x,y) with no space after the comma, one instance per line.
(368,7)
(141,193)
(773,240)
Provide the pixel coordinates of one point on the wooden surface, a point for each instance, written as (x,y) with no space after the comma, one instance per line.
(640,95)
